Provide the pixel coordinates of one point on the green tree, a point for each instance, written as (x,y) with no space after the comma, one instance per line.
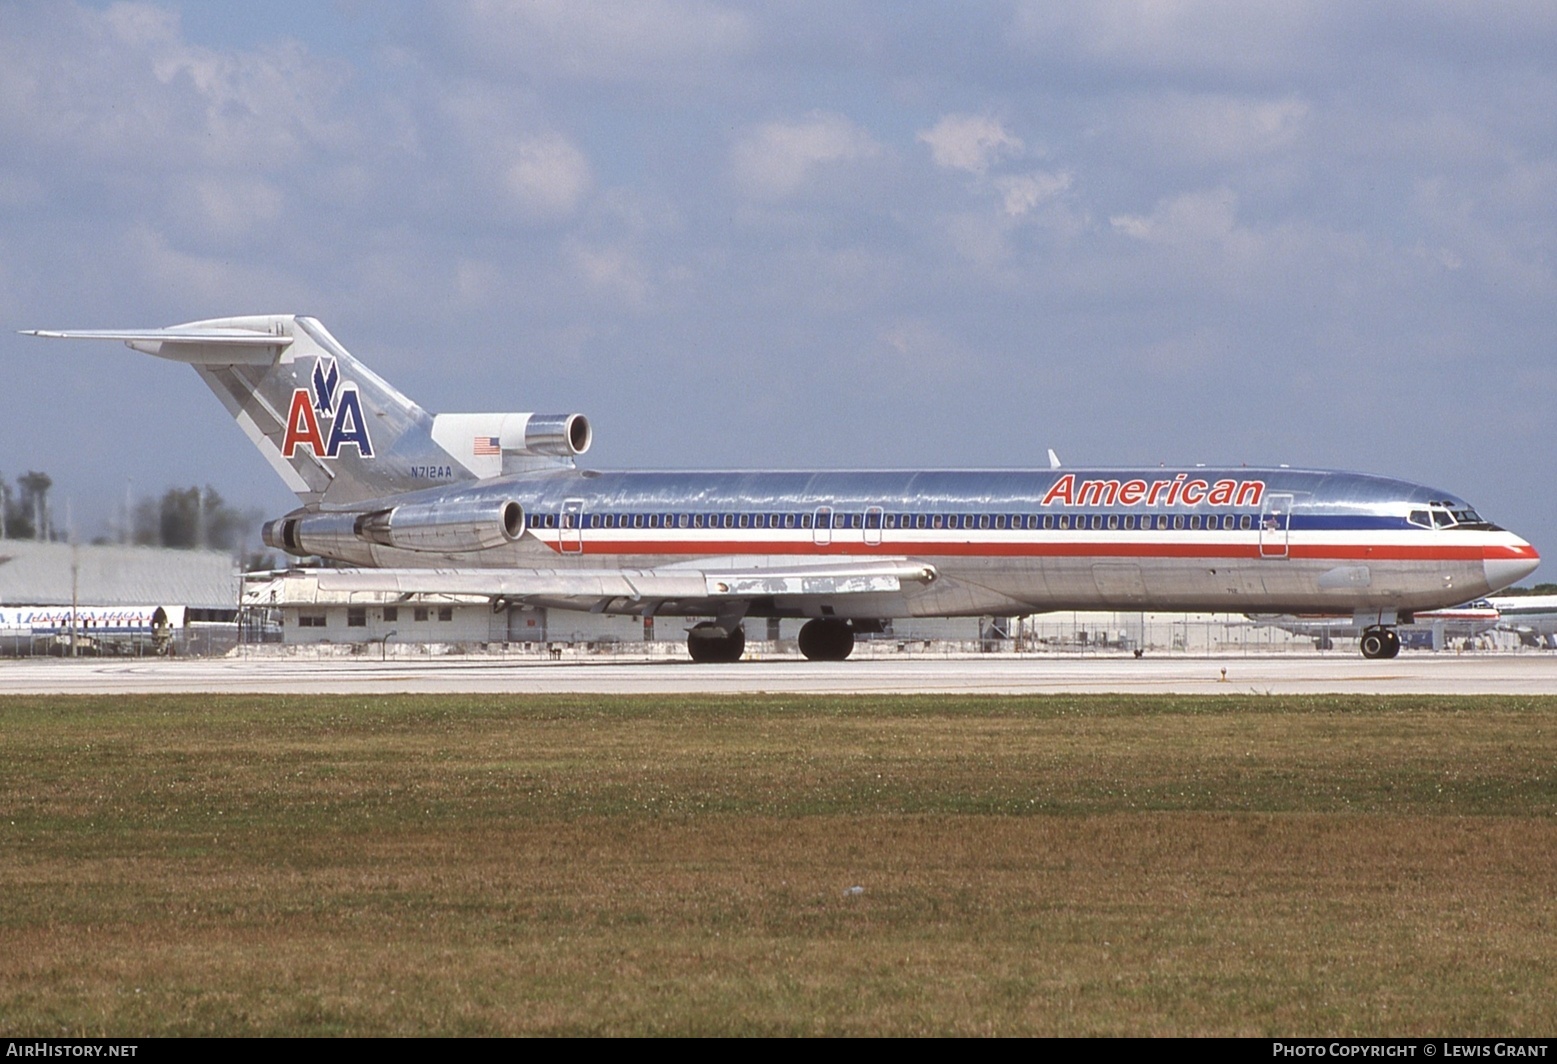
(192,518)
(27,508)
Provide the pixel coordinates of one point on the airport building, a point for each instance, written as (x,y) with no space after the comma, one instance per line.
(354,621)
(109,595)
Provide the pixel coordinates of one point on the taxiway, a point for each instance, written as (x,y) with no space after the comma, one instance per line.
(981,674)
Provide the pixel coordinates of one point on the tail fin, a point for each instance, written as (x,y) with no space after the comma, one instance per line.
(335,431)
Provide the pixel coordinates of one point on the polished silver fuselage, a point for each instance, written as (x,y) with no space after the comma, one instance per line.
(1010,541)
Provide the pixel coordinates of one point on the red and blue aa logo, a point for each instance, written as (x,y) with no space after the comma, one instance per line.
(330,405)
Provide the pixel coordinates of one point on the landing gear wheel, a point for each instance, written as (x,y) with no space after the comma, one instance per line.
(705,644)
(826,639)
(1380,643)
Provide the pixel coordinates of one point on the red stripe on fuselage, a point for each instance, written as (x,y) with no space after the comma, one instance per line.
(1069,549)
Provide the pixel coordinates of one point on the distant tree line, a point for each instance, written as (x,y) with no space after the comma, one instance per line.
(192,519)
(24,510)
(182,518)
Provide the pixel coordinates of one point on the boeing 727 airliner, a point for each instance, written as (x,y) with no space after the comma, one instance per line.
(495,505)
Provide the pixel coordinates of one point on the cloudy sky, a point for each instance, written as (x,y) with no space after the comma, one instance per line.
(806,233)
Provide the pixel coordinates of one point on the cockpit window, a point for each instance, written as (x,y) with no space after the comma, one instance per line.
(1419,517)
(1442,519)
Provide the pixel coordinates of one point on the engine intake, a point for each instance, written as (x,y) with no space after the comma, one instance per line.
(560,434)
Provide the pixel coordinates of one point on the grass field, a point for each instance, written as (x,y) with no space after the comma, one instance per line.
(767,865)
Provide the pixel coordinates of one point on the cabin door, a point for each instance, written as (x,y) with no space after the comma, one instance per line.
(572,526)
(1275,519)
(873,523)
(822,526)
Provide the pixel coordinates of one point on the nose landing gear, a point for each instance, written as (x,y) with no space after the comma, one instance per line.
(1380,642)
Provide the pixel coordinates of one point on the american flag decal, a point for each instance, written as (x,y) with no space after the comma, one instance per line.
(486,445)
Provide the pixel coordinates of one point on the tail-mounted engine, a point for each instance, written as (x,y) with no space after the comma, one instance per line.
(453,526)
(493,444)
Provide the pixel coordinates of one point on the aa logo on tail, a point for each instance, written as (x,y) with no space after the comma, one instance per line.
(336,407)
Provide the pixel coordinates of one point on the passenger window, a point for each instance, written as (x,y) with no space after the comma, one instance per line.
(1194,520)
(1113,521)
(1245,522)
(983,520)
(1048,520)
(1064,520)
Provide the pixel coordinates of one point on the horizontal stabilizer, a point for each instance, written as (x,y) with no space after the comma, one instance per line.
(197,346)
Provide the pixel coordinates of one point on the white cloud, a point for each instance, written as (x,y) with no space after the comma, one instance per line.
(776,159)
(971,143)
(616,271)
(1193,218)
(1021,193)
(547,176)
(1223,36)
(605,40)
(1205,129)
(233,206)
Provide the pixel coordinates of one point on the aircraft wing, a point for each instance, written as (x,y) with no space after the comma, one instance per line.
(630,589)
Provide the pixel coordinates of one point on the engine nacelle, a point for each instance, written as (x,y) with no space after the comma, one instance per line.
(514,435)
(452,526)
(565,435)
(327,535)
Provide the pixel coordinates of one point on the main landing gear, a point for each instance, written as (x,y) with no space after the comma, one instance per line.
(826,639)
(708,642)
(1380,642)
(822,639)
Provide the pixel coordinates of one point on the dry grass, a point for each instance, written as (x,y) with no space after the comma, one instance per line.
(659,865)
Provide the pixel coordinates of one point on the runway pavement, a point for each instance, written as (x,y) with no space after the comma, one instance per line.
(1411,673)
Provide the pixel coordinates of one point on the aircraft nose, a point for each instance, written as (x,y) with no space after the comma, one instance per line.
(1509,563)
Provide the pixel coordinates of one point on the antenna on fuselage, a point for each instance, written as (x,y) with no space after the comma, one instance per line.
(1054,459)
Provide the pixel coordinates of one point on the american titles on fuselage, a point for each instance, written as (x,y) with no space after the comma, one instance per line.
(1180,491)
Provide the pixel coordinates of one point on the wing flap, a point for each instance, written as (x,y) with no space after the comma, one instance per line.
(854,578)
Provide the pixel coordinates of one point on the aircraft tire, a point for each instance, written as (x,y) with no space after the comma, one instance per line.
(1391,643)
(826,639)
(1375,643)
(708,648)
